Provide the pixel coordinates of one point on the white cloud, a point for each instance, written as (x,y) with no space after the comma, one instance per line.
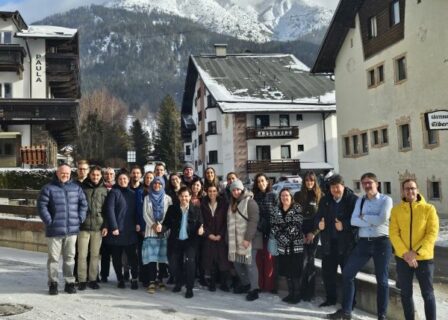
(34,10)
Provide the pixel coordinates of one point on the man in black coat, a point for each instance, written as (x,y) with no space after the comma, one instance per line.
(337,235)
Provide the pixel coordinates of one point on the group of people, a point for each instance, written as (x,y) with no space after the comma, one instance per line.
(154,226)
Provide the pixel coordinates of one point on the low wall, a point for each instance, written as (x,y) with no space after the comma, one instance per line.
(22,234)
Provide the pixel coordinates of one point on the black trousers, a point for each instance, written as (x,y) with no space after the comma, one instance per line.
(183,259)
(309,270)
(330,263)
(105,260)
(131,253)
(156,271)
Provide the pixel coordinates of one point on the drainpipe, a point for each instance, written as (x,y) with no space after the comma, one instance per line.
(31,68)
(325,136)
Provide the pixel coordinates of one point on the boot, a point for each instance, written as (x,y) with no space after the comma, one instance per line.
(224,280)
(212,283)
(290,295)
(297,295)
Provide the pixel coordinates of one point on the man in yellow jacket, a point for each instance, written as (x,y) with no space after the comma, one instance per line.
(413,230)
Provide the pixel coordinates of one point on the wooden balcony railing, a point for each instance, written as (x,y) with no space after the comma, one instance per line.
(292,166)
(272,132)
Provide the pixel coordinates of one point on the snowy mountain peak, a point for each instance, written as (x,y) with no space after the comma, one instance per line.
(256,20)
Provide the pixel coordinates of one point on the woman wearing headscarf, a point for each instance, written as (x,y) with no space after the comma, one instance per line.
(244,238)
(286,224)
(308,198)
(155,206)
(122,228)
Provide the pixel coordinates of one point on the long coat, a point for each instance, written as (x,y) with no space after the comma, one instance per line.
(215,251)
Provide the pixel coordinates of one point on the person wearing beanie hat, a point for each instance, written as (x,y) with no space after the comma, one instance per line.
(244,238)
(188,174)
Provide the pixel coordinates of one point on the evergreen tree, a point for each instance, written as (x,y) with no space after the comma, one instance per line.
(140,139)
(168,143)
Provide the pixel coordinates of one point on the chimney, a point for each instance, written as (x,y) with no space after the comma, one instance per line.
(221,50)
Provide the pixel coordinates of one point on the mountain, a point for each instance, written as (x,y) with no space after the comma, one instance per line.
(142,57)
(254,20)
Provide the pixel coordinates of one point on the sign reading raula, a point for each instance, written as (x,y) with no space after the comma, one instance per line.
(437,120)
(38,68)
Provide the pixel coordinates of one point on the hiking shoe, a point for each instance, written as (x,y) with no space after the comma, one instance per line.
(161,285)
(94,285)
(152,288)
(53,289)
(134,284)
(82,286)
(339,315)
(121,284)
(70,288)
(252,295)
(189,293)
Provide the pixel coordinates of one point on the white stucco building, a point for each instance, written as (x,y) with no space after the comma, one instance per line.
(39,91)
(390,61)
(251,113)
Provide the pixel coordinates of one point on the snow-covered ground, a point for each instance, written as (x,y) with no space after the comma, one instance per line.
(442,240)
(23,281)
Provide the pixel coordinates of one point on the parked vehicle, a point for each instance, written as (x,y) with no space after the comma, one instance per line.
(293,187)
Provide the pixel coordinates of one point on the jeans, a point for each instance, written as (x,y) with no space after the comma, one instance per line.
(89,242)
(248,273)
(330,263)
(57,246)
(424,273)
(380,250)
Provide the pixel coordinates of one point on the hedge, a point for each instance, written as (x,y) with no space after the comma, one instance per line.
(25,178)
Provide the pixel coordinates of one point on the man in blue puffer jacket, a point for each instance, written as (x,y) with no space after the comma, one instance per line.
(62,206)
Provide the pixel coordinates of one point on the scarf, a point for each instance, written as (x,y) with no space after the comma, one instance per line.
(236,228)
(157,199)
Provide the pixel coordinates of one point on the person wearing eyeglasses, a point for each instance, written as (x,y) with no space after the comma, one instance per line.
(413,228)
(82,171)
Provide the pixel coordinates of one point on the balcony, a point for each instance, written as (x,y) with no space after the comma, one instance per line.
(272,133)
(11,57)
(291,166)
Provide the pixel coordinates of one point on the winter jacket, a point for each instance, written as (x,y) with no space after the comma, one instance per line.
(308,201)
(96,197)
(172,222)
(215,251)
(139,198)
(414,226)
(62,208)
(121,215)
(266,201)
(149,217)
(287,229)
(345,238)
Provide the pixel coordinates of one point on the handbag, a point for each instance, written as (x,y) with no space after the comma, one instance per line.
(272,246)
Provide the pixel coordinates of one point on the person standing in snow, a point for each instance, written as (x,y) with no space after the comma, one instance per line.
(413,229)
(62,206)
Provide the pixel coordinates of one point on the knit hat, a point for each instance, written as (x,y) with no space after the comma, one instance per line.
(188,165)
(237,184)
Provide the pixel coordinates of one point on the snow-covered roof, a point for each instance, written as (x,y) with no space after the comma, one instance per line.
(263,82)
(47,32)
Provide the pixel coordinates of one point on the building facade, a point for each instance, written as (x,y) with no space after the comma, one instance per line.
(39,91)
(389,58)
(251,113)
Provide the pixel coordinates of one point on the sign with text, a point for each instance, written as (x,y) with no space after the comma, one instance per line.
(437,120)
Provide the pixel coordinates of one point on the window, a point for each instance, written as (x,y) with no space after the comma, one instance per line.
(365,142)
(300,147)
(405,137)
(400,69)
(299,117)
(213,157)
(395,12)
(5,37)
(187,150)
(384,135)
(7,147)
(430,137)
(212,127)
(380,72)
(6,90)
(262,121)
(375,138)
(284,120)
(286,152)
(371,78)
(372,27)
(387,188)
(375,76)
(347,146)
(263,152)
(211,102)
(355,144)
(357,185)
(434,190)
(200,139)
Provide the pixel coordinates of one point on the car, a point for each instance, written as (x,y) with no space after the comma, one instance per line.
(293,187)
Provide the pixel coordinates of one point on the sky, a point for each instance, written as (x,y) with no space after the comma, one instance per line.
(34,10)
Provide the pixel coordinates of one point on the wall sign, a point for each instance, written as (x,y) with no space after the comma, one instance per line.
(38,68)
(437,120)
